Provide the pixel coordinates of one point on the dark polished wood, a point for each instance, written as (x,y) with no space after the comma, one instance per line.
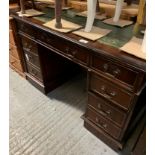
(140,147)
(116,80)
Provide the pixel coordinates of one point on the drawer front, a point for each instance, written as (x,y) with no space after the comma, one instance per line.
(15,63)
(101,122)
(26,28)
(32,58)
(13,51)
(106,110)
(114,70)
(29,45)
(110,91)
(77,53)
(11,38)
(34,72)
(71,50)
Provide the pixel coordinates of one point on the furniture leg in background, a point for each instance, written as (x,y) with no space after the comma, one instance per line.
(118,10)
(141,15)
(58,10)
(91,12)
(22,6)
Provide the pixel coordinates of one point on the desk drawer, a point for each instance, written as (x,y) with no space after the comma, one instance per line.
(29,45)
(105,109)
(69,49)
(33,59)
(13,51)
(15,63)
(34,72)
(77,53)
(114,70)
(26,28)
(110,91)
(104,124)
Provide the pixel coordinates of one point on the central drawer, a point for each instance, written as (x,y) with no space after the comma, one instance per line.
(70,50)
(110,91)
(107,126)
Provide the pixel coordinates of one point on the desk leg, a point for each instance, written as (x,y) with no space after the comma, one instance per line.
(58,10)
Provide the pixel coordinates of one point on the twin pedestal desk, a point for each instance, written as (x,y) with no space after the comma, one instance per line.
(115,80)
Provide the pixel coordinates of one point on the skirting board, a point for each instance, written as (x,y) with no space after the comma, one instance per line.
(66,26)
(96,33)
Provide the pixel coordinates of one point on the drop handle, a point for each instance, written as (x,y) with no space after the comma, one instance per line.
(67,49)
(97,120)
(74,53)
(107,94)
(34,72)
(116,72)
(105,67)
(100,110)
(104,125)
(104,113)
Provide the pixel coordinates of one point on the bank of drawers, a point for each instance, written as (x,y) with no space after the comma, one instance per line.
(32,58)
(108,105)
(107,110)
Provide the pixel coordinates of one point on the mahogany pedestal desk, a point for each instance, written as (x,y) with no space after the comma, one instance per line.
(115,80)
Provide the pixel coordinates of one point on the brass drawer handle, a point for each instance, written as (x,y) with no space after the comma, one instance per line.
(107,94)
(105,67)
(74,53)
(116,72)
(104,125)
(67,49)
(34,72)
(29,57)
(97,120)
(108,112)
